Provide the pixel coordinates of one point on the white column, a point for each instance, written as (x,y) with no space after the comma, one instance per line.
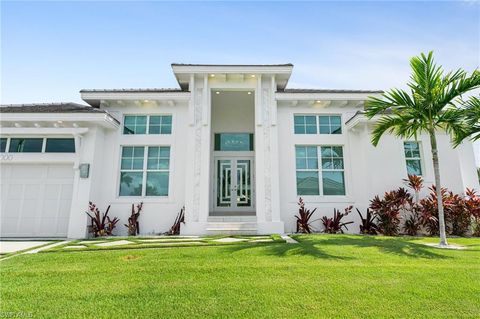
(198,158)
(266,158)
(84,189)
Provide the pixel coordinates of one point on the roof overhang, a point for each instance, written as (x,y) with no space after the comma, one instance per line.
(95,98)
(9,121)
(287,96)
(183,72)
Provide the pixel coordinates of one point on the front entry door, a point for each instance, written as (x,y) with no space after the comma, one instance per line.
(233,184)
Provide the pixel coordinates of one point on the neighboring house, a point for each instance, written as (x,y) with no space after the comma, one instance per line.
(232,144)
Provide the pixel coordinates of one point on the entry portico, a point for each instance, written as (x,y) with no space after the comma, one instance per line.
(258,166)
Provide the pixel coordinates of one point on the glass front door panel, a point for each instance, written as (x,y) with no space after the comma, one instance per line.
(224,183)
(234,184)
(244,198)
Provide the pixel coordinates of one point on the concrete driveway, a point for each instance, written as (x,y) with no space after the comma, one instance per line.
(7,246)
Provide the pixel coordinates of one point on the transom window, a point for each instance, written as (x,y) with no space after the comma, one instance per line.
(147,124)
(331,171)
(313,124)
(330,124)
(37,145)
(144,171)
(233,142)
(305,124)
(3,144)
(413,158)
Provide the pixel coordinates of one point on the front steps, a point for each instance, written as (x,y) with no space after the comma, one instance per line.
(231,225)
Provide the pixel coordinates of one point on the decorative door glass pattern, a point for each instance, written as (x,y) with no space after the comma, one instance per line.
(234,184)
(224,183)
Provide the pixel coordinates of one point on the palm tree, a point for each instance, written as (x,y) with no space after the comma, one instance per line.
(470,112)
(428,106)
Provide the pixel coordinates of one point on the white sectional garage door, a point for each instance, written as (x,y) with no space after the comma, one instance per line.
(35,199)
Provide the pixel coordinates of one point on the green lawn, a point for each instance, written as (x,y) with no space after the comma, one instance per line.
(323,276)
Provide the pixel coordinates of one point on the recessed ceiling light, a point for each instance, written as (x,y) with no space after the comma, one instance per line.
(212,75)
(249,93)
(59,122)
(318,101)
(253,75)
(218,92)
(145,101)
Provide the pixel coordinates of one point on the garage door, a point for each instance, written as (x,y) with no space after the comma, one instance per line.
(35,200)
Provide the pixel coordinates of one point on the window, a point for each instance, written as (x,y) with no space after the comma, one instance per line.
(307,170)
(309,174)
(327,124)
(160,124)
(144,178)
(233,142)
(157,124)
(330,124)
(60,145)
(26,145)
(333,179)
(134,124)
(3,144)
(412,158)
(305,124)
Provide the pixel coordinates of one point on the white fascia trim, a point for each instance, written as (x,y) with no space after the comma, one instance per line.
(94,118)
(175,96)
(43,131)
(186,69)
(280,96)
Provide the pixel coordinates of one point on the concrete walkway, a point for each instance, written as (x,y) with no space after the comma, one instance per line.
(15,246)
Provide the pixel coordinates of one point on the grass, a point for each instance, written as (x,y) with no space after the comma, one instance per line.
(326,276)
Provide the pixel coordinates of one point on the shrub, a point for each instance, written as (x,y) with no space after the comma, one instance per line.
(368,226)
(388,209)
(304,224)
(335,225)
(429,211)
(458,215)
(412,224)
(175,229)
(133,225)
(100,224)
(472,203)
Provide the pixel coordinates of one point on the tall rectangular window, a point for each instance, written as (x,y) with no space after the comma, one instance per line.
(26,145)
(305,124)
(413,158)
(160,124)
(333,178)
(60,145)
(330,124)
(135,124)
(158,164)
(3,145)
(330,171)
(307,170)
(144,171)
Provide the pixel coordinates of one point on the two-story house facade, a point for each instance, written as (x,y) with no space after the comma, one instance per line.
(233,145)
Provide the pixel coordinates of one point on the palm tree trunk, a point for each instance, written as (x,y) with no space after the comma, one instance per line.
(438,186)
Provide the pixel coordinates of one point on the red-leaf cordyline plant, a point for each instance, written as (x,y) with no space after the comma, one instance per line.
(472,203)
(388,210)
(101,224)
(133,225)
(175,229)
(304,224)
(429,106)
(429,210)
(458,214)
(367,225)
(412,223)
(335,225)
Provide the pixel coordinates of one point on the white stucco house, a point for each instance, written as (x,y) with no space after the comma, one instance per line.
(232,144)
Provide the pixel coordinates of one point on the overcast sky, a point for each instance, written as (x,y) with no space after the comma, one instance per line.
(51,50)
